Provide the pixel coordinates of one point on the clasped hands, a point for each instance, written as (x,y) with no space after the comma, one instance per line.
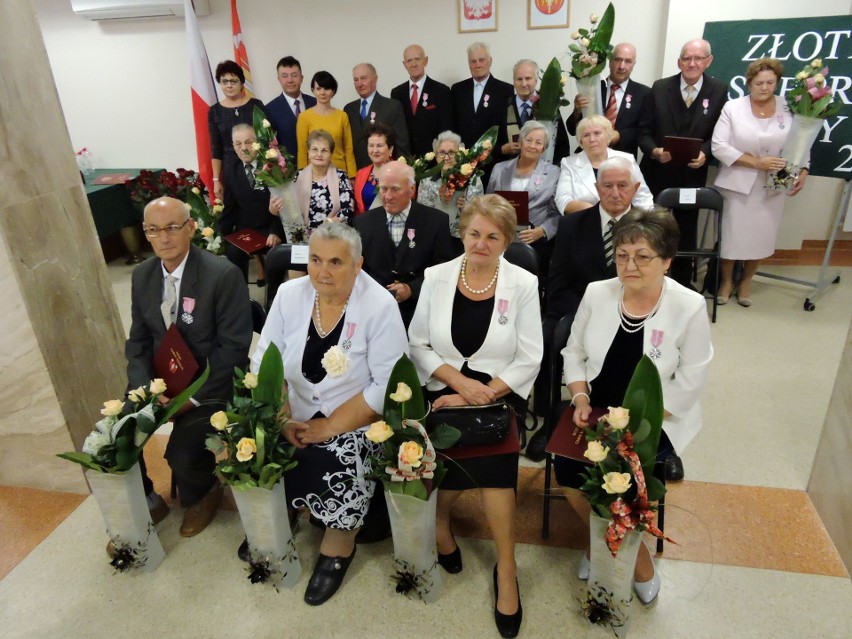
(664,157)
(313,431)
(469,392)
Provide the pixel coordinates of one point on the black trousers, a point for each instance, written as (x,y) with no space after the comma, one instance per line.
(191,463)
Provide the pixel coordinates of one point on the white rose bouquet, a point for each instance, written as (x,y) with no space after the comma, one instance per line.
(592,48)
(467,164)
(279,165)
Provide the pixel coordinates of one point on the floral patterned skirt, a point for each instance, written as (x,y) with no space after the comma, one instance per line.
(330,480)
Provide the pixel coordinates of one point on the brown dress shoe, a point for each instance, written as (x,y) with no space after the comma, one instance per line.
(197,517)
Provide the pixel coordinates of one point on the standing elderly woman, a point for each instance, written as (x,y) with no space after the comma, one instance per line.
(656,316)
(234,108)
(324,191)
(476,339)
(445,147)
(528,172)
(576,188)
(747,141)
(381,140)
(340,335)
(326,117)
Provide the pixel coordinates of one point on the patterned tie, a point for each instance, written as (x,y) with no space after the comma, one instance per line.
(611,109)
(396,228)
(169,306)
(249,169)
(607,241)
(363,110)
(414,99)
(525,113)
(690,95)
(298,107)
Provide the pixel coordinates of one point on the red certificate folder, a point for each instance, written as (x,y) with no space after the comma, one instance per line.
(683,150)
(248,240)
(174,362)
(569,440)
(521,201)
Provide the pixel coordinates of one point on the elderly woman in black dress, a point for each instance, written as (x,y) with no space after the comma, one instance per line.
(476,340)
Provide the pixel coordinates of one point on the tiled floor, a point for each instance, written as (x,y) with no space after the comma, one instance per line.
(753,559)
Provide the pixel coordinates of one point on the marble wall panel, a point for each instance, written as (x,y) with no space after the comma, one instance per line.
(830,485)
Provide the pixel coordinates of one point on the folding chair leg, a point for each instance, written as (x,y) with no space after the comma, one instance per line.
(545,525)
(661,516)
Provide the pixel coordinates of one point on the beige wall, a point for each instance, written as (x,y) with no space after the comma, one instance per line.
(61,338)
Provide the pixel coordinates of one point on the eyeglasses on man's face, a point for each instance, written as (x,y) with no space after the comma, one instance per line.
(170,229)
(640,260)
(686,59)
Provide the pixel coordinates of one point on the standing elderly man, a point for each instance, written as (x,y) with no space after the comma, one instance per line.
(402,238)
(369,108)
(520,110)
(426,103)
(684,105)
(622,100)
(284,110)
(207,299)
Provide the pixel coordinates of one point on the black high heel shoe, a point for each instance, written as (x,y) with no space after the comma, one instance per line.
(507,625)
(452,561)
(328,575)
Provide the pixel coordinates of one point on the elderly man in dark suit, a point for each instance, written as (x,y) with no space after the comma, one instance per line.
(684,105)
(207,299)
(402,238)
(369,108)
(622,100)
(285,109)
(426,103)
(520,111)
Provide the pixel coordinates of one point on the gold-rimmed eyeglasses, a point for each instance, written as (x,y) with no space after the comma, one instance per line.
(171,229)
(640,260)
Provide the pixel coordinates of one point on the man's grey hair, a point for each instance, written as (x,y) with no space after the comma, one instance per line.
(524,61)
(396,165)
(616,163)
(478,45)
(534,125)
(242,126)
(339,231)
(704,43)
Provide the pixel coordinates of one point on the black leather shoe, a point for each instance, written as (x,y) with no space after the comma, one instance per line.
(451,562)
(674,468)
(261,283)
(243,551)
(535,447)
(327,577)
(507,625)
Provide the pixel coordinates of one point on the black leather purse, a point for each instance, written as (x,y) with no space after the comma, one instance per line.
(479,425)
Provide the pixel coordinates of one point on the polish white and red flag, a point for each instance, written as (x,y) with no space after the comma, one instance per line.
(203,91)
(240,53)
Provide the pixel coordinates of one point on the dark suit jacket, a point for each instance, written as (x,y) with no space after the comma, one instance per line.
(561,149)
(220,330)
(627,120)
(578,259)
(470,123)
(383,260)
(248,207)
(665,113)
(284,122)
(430,120)
(388,112)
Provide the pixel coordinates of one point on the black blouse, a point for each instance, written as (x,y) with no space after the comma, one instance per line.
(220,121)
(315,349)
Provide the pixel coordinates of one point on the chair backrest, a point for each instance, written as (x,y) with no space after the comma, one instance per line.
(278,262)
(258,316)
(705,198)
(558,342)
(522,255)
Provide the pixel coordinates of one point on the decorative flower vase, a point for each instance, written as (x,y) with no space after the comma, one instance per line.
(610,578)
(121,498)
(796,150)
(590,87)
(415,555)
(272,551)
(547,156)
(291,218)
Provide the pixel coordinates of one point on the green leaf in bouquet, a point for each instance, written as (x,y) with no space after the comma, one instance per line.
(414,488)
(270,475)
(444,436)
(574,48)
(263,134)
(126,457)
(270,377)
(405,372)
(393,416)
(644,400)
(177,402)
(656,488)
(546,108)
(260,443)
(84,459)
(395,487)
(603,34)
(214,444)
(642,432)
(583,32)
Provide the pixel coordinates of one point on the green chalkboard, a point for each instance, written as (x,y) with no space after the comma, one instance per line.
(794,41)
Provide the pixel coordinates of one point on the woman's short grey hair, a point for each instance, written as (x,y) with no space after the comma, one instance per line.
(595,120)
(339,231)
(534,125)
(446,136)
(658,227)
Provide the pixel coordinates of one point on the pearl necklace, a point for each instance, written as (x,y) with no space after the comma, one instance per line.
(318,321)
(473,290)
(635,323)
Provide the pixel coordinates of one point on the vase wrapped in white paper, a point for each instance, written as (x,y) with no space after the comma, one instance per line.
(610,578)
(292,220)
(547,156)
(272,551)
(414,552)
(796,150)
(121,498)
(590,88)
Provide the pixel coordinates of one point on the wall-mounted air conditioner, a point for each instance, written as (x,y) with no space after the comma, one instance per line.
(135,9)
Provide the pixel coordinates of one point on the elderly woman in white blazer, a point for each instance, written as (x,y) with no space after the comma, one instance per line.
(340,334)
(528,172)
(575,190)
(476,339)
(642,312)
(747,140)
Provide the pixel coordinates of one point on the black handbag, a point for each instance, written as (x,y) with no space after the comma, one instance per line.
(479,425)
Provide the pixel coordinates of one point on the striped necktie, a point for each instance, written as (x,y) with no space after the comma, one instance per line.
(169,306)
(690,95)
(525,113)
(607,242)
(611,107)
(249,169)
